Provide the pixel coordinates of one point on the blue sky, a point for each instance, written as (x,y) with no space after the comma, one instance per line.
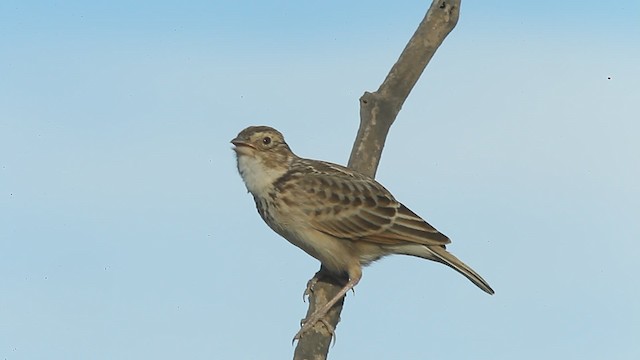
(126,232)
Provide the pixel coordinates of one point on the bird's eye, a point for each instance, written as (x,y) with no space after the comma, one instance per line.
(266,140)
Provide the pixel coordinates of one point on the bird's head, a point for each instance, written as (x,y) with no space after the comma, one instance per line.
(262,156)
(259,139)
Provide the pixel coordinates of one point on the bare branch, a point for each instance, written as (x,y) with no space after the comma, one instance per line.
(378,111)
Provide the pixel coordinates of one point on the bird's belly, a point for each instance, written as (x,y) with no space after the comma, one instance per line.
(337,255)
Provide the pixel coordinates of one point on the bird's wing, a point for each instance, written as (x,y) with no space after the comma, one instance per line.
(358,208)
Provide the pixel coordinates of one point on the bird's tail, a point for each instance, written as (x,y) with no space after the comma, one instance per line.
(439,254)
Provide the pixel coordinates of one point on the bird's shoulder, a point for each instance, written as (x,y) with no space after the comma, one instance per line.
(327,179)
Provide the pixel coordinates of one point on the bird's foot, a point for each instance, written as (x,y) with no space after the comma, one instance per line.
(310,284)
(308,323)
(319,314)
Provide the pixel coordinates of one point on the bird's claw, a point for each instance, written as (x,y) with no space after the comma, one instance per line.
(307,325)
(310,284)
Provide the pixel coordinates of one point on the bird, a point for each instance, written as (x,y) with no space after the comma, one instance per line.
(341,217)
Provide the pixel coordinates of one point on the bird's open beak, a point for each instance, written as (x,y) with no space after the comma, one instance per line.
(241,145)
(239,142)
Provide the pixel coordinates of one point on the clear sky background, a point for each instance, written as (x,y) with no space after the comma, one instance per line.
(126,232)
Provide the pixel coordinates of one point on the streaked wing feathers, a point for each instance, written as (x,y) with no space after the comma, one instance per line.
(351,206)
(410,227)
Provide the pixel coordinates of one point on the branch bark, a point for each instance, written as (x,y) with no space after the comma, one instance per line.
(378,111)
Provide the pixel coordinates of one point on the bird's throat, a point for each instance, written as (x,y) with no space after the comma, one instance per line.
(257,175)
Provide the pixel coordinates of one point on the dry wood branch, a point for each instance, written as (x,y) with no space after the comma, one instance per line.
(378,111)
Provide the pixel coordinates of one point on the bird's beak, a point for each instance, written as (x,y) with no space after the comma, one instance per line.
(240,144)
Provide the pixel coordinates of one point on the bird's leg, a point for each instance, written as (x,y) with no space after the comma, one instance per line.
(322,312)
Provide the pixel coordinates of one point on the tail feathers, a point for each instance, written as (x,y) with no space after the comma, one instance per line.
(439,254)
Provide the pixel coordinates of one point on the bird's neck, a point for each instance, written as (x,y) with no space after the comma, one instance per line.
(258,176)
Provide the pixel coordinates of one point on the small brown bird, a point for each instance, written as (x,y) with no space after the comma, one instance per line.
(341,217)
